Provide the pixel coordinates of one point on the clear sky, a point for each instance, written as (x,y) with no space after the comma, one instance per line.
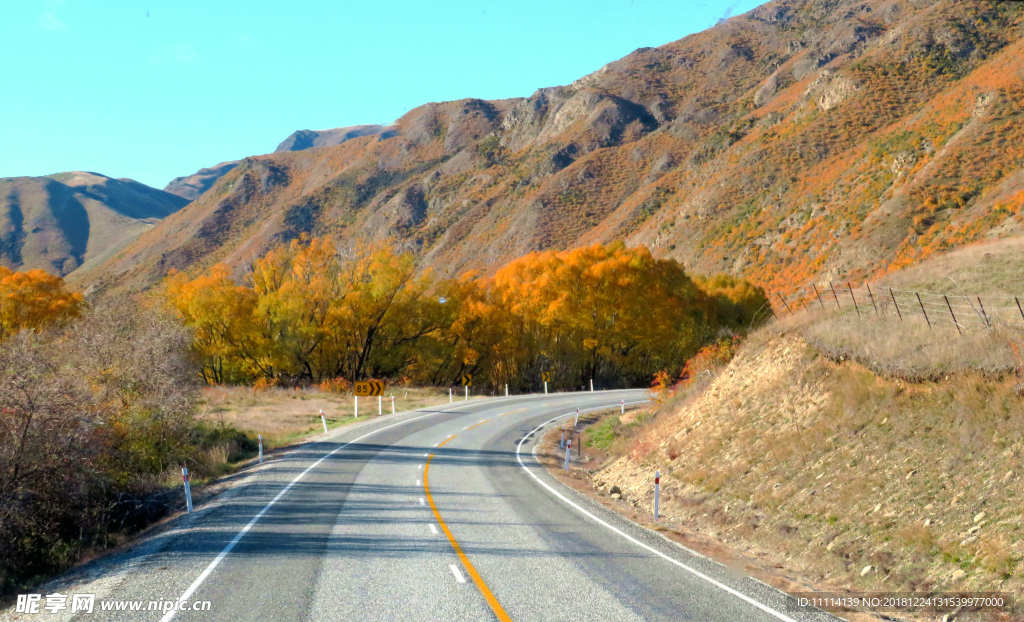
(154,89)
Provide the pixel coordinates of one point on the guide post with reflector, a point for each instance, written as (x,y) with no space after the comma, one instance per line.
(657,492)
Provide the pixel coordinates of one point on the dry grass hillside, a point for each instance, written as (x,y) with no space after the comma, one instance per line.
(72,221)
(905,472)
(803,139)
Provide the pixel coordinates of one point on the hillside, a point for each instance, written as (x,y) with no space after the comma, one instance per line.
(309,139)
(191,186)
(812,454)
(805,138)
(70,222)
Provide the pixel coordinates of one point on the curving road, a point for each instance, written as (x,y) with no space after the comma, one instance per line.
(439,514)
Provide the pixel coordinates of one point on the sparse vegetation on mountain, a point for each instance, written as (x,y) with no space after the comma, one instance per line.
(804,139)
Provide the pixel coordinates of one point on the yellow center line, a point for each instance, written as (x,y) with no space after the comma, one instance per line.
(441,444)
(512,411)
(484,590)
(478,424)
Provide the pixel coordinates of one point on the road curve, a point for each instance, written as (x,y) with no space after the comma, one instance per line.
(439,514)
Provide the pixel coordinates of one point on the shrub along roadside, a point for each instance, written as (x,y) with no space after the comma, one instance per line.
(97,416)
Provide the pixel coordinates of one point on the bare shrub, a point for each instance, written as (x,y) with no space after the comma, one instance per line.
(92,418)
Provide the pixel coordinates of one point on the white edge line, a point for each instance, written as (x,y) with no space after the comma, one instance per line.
(625,535)
(227,549)
(458,575)
(433,529)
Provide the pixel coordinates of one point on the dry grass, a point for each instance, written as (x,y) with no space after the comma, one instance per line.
(907,348)
(824,468)
(282,415)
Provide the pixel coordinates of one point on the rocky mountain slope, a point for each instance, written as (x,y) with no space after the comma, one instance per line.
(191,186)
(71,221)
(806,138)
(308,139)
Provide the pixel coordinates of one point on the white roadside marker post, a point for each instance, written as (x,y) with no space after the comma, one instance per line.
(577,422)
(591,385)
(506,389)
(568,451)
(261,449)
(380,405)
(657,492)
(450,398)
(392,403)
(188,489)
(623,406)
(545,387)
(324,419)
(561,443)
(467,392)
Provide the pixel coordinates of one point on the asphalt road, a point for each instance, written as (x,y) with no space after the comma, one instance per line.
(441,514)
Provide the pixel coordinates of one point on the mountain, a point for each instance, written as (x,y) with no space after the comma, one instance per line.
(309,139)
(70,222)
(191,186)
(804,139)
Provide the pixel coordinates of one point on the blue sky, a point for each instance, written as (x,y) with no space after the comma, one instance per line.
(155,89)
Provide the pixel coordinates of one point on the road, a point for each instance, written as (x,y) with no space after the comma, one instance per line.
(440,514)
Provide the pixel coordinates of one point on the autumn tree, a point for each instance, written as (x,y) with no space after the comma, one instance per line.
(34,300)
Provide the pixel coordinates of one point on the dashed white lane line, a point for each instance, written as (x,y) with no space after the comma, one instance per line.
(420,467)
(455,571)
(422,501)
(419,483)
(433,529)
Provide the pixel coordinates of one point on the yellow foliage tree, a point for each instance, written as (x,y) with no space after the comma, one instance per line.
(35,300)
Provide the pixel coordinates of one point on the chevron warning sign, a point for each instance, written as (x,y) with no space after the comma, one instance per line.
(467,380)
(370,387)
(545,376)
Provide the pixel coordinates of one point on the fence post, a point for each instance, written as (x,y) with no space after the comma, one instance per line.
(784,302)
(872,297)
(819,296)
(896,304)
(853,297)
(832,287)
(950,307)
(923,311)
(983,313)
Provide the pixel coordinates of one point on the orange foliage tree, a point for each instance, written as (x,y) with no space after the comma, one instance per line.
(35,300)
(309,312)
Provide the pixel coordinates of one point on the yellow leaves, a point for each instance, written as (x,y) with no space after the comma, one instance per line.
(312,312)
(34,300)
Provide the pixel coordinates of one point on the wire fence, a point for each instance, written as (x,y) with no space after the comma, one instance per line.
(965,312)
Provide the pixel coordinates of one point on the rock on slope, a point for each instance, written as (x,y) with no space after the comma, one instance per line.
(72,221)
(806,138)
